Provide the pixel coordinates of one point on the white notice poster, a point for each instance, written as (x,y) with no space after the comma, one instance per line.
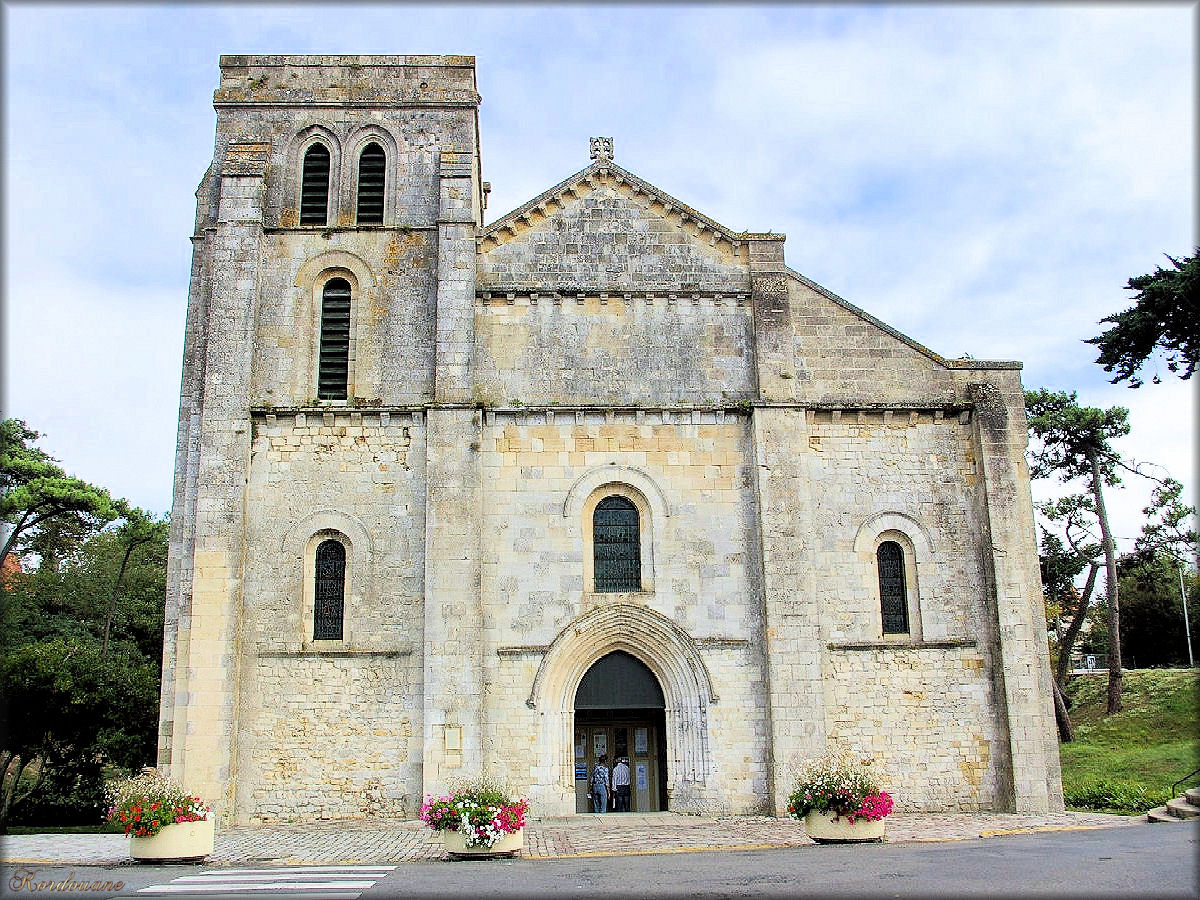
(641,776)
(640,745)
(600,743)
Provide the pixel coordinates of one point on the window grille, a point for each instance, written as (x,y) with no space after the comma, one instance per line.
(329,594)
(616,546)
(314,187)
(370,185)
(334,367)
(893,598)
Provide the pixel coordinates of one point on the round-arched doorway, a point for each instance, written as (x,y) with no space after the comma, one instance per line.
(620,713)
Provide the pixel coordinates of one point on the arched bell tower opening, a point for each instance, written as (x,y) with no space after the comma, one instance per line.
(620,713)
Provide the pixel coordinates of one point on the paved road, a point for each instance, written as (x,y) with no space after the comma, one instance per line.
(1136,861)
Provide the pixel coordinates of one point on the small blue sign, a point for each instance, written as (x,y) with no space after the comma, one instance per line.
(581,772)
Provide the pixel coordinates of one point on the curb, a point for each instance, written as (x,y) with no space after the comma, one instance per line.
(1000,832)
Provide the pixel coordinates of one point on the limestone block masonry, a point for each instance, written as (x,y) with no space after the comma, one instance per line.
(430,472)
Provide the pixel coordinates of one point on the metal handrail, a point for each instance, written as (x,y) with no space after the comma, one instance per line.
(1186,777)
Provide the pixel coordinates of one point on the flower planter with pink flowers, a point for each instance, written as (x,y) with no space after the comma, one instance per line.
(840,800)
(478,818)
(160,818)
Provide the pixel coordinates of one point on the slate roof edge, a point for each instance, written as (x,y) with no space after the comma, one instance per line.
(608,167)
(899,335)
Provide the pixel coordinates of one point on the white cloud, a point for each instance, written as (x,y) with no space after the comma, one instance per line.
(984,178)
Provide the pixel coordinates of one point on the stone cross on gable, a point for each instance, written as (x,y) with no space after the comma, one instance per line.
(602,148)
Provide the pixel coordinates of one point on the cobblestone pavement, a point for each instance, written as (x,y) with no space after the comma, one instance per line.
(376,841)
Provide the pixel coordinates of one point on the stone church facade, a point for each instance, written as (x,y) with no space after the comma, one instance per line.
(603,476)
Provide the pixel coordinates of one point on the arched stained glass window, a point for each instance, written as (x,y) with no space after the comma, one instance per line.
(893,596)
(314,186)
(370,185)
(616,546)
(329,597)
(334,365)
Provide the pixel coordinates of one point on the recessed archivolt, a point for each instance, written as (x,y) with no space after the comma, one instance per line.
(664,648)
(589,481)
(864,540)
(332,260)
(296,538)
(654,639)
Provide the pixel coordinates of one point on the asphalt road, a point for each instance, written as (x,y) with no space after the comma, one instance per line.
(1159,861)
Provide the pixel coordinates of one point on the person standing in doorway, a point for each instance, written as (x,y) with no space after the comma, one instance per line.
(600,785)
(620,783)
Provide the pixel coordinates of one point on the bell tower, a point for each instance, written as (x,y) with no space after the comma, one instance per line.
(332,277)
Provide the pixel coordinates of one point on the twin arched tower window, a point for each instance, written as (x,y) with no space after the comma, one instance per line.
(616,543)
(329,594)
(314,185)
(370,185)
(893,593)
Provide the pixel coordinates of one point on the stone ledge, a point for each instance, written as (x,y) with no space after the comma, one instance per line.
(903,645)
(522,651)
(392,653)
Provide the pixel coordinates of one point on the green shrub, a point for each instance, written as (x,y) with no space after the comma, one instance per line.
(1113,794)
(71,795)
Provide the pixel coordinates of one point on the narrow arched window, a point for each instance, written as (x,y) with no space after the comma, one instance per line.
(334,366)
(314,186)
(329,597)
(893,596)
(616,546)
(370,185)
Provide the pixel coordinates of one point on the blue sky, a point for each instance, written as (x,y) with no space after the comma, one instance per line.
(984,178)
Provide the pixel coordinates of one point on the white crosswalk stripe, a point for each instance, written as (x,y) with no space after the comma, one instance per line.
(294,883)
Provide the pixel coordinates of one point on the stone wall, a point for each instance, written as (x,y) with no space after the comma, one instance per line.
(920,467)
(333,721)
(926,716)
(393,285)
(613,351)
(332,737)
(689,476)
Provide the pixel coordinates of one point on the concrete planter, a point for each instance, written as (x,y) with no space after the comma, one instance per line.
(823,828)
(185,840)
(455,843)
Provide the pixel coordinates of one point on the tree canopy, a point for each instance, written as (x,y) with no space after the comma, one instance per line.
(81,631)
(1073,441)
(34,490)
(1165,317)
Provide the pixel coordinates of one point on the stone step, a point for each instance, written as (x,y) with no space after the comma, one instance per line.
(1193,796)
(1160,814)
(1181,809)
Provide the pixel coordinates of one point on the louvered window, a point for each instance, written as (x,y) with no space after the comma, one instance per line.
(330,591)
(893,597)
(616,546)
(370,185)
(314,188)
(334,368)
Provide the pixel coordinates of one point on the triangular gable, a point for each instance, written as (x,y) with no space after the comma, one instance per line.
(606,230)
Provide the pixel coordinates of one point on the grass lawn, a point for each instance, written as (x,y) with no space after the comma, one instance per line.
(1126,762)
